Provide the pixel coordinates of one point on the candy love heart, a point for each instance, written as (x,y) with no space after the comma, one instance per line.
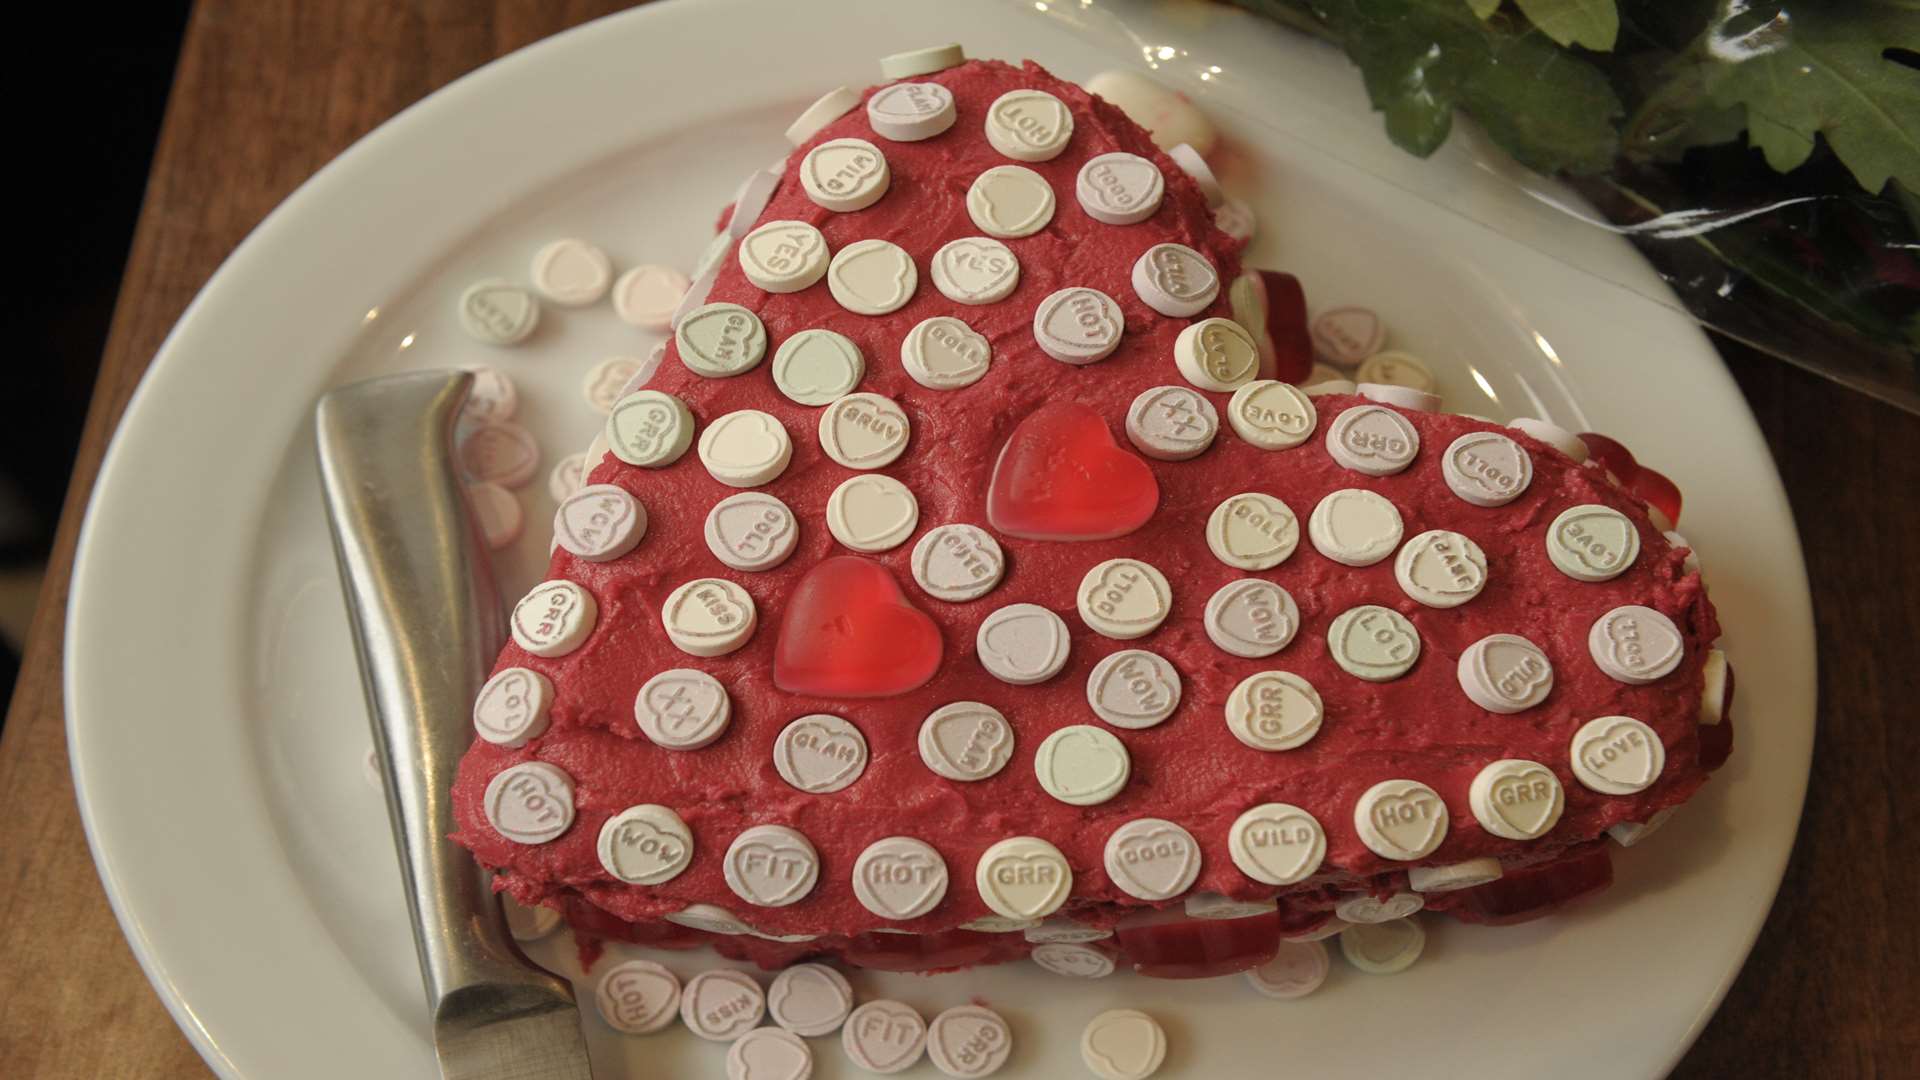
(850,632)
(1061,476)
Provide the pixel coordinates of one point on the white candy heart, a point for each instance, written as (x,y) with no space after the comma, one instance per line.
(943,353)
(751,531)
(512,707)
(783,256)
(872,277)
(1124,598)
(1517,799)
(1635,644)
(599,522)
(899,878)
(1123,1044)
(810,999)
(771,865)
(1082,765)
(1486,468)
(1592,542)
(682,709)
(1029,125)
(1078,325)
(1441,569)
(820,753)
(769,1054)
(1172,423)
(969,1041)
(1617,755)
(1374,643)
(1023,877)
(708,617)
(1074,961)
(645,845)
(498,313)
(1274,711)
(872,513)
(958,562)
(1010,201)
(1505,673)
(1119,188)
(1253,531)
(1022,644)
(884,1036)
(529,803)
(722,1004)
(638,997)
(718,340)
(844,174)
(1373,439)
(975,270)
(816,366)
(966,741)
(1277,844)
(1348,335)
(1133,688)
(1152,859)
(1400,819)
(1251,617)
(864,431)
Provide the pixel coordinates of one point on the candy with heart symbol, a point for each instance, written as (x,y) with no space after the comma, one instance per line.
(844,174)
(751,531)
(872,277)
(1171,423)
(884,1036)
(1123,1044)
(682,709)
(646,296)
(1591,542)
(1178,282)
(1252,618)
(720,340)
(1617,755)
(1124,598)
(649,429)
(1355,527)
(1119,188)
(606,379)
(782,257)
(899,878)
(771,866)
(911,112)
(745,448)
(1277,843)
(1133,688)
(864,431)
(1029,125)
(1367,908)
(1061,476)
(810,999)
(1272,415)
(554,618)
(1400,819)
(1441,568)
(1505,673)
(1373,440)
(1274,710)
(512,707)
(849,632)
(722,1004)
(1296,970)
(1010,201)
(1252,531)
(820,754)
(495,312)
(1082,765)
(1023,877)
(1348,335)
(646,844)
(1374,643)
(1486,468)
(600,522)
(1078,325)
(957,563)
(638,997)
(1152,858)
(1635,644)
(966,740)
(872,513)
(943,353)
(708,617)
(502,452)
(975,270)
(814,367)
(1386,948)
(769,1053)
(1517,799)
(530,803)
(969,1041)
(1073,961)
(1022,644)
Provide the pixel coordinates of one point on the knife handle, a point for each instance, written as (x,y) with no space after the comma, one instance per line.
(427,624)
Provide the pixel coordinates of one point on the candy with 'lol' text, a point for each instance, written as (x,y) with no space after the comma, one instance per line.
(1374,643)
(512,707)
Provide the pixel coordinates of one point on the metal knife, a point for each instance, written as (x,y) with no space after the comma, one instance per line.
(427,623)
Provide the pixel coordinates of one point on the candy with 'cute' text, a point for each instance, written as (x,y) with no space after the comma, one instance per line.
(1373,440)
(1441,569)
(638,997)
(1078,325)
(813,367)
(943,353)
(1124,599)
(1029,125)
(910,112)
(1022,644)
(884,1036)
(966,740)
(1251,617)
(1486,468)
(899,878)
(1386,948)
(599,522)
(495,312)
(1010,201)
(682,709)
(969,1041)
(1277,843)
(771,866)
(1617,755)
(722,1004)
(751,531)
(554,618)
(1119,188)
(1175,280)
(1635,644)
(1073,961)
(708,617)
(830,106)
(720,340)
(957,563)
(1592,542)
(1171,423)
(872,277)
(649,429)
(1374,643)
(1123,1044)
(745,448)
(1272,415)
(864,431)
(783,256)
(844,174)
(1023,877)
(1082,765)
(529,803)
(1216,354)
(820,753)
(1133,688)
(1274,710)
(1152,859)
(1516,799)
(872,513)
(512,707)
(1505,673)
(810,999)
(1403,820)
(646,844)
(975,270)
(1296,970)
(1252,531)
(646,296)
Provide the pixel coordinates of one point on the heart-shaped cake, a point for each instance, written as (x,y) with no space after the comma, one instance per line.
(1015,623)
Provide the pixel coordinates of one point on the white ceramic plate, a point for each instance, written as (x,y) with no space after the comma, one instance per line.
(215,716)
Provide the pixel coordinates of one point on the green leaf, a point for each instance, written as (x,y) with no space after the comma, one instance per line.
(1594,24)
(1484,8)
(1422,59)
(1820,69)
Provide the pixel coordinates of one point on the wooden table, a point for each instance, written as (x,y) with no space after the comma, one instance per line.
(272,91)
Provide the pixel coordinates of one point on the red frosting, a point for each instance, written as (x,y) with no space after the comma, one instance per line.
(1188,769)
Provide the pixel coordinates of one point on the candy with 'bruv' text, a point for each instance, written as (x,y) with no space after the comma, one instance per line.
(864,431)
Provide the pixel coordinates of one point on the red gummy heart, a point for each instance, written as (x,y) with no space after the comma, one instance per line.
(1287,327)
(1062,477)
(1655,489)
(1608,452)
(850,632)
